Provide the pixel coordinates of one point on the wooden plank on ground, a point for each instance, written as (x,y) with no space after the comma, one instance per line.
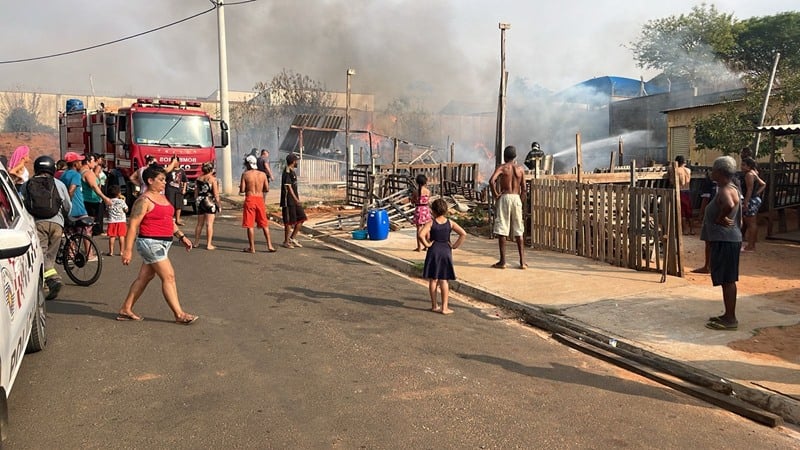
(727,402)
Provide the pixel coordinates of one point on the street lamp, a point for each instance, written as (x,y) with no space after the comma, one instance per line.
(350,72)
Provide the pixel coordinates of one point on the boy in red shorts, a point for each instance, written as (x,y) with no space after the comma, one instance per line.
(253,185)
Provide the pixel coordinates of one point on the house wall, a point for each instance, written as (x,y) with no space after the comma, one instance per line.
(684,118)
(49,105)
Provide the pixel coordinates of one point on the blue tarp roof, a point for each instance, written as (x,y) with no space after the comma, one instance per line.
(610,87)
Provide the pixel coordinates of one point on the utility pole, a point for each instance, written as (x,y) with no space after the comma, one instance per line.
(347,147)
(500,142)
(766,102)
(227,173)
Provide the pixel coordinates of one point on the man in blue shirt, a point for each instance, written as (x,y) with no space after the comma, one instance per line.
(72,179)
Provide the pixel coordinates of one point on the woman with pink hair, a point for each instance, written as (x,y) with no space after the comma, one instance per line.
(16,165)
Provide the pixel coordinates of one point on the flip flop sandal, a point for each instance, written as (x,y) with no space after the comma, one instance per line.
(187,320)
(122,317)
(722,326)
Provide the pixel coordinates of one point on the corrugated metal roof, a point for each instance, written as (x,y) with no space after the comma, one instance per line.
(318,132)
(781,130)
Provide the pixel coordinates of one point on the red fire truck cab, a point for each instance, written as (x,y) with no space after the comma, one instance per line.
(157,127)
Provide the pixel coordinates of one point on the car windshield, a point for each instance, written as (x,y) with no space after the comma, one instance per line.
(173,130)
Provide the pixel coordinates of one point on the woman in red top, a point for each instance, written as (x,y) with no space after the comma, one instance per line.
(151,228)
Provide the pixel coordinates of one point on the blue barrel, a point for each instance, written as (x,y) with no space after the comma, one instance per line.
(74,104)
(378,224)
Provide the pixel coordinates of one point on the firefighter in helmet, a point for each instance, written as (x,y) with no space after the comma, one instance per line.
(535,153)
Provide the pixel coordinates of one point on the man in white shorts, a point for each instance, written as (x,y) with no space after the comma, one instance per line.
(508,186)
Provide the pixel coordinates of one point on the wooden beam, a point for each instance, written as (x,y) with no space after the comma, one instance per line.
(578,156)
(728,402)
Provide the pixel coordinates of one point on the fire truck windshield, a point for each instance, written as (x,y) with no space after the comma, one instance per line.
(172,130)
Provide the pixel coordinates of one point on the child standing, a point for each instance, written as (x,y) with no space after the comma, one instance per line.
(422,212)
(117,226)
(435,236)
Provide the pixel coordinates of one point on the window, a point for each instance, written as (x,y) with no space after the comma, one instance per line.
(172,129)
(678,142)
(7,214)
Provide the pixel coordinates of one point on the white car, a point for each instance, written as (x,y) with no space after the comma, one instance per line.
(22,313)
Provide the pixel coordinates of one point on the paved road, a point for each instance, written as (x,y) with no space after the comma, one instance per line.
(313,348)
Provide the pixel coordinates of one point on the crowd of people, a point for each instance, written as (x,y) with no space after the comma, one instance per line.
(88,193)
(86,189)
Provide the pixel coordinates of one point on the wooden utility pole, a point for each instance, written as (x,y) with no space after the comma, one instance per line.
(347,149)
(395,155)
(578,157)
(500,142)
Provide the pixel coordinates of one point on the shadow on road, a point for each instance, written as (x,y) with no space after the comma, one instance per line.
(561,373)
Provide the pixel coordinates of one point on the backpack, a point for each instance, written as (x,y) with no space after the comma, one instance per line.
(42,199)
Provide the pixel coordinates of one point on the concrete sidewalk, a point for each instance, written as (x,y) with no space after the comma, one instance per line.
(638,310)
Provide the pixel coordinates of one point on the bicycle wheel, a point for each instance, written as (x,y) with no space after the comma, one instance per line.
(82,261)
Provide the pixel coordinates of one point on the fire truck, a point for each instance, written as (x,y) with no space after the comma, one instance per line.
(161,128)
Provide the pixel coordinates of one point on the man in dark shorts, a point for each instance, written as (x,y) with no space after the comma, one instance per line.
(707,192)
(176,189)
(722,224)
(292,211)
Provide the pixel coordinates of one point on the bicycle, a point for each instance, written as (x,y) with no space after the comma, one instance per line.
(78,253)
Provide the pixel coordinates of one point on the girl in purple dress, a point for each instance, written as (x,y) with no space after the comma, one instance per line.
(422,212)
(435,236)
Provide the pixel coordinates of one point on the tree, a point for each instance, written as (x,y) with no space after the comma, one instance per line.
(723,131)
(275,105)
(687,46)
(756,40)
(21,112)
(290,94)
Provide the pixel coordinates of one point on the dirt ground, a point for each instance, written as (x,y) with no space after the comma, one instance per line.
(39,143)
(772,271)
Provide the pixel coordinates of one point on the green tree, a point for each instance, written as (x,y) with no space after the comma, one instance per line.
(723,131)
(758,39)
(756,42)
(687,46)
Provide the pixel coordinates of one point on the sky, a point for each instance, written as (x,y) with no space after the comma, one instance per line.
(435,50)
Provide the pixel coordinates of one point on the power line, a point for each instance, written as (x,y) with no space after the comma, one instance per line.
(37,58)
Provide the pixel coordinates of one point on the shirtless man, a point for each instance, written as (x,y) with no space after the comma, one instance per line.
(508,186)
(253,185)
(683,177)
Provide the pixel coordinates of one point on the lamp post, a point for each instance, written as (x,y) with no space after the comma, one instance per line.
(501,103)
(348,150)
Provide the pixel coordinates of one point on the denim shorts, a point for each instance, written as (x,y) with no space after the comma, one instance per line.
(153,250)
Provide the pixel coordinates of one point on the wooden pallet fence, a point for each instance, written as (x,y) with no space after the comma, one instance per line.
(358,187)
(625,226)
(553,212)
